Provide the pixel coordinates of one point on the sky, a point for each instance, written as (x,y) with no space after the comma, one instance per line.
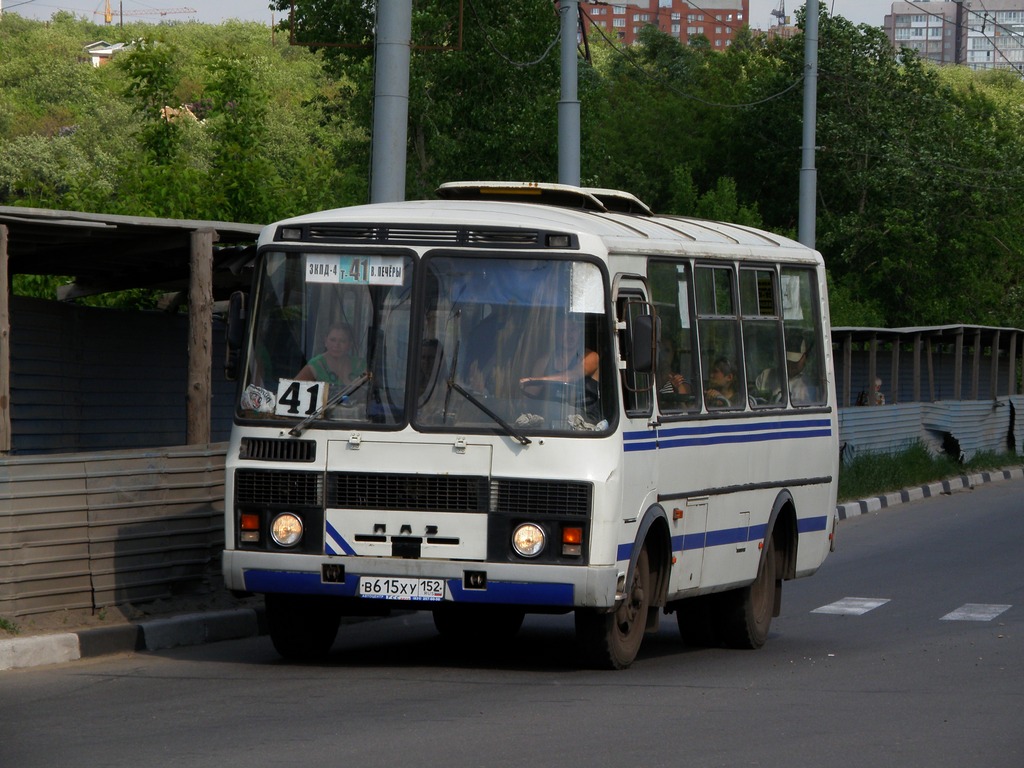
(216,11)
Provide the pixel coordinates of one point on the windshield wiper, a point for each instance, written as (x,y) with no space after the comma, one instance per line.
(299,428)
(509,429)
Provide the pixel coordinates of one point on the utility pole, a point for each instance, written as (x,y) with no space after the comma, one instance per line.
(392,54)
(808,174)
(959,55)
(569,103)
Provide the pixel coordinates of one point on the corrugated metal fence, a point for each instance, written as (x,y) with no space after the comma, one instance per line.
(964,427)
(100,529)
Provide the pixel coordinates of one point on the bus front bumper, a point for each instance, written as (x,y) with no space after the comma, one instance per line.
(528,585)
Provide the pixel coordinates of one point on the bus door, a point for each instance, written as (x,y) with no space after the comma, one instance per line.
(638,429)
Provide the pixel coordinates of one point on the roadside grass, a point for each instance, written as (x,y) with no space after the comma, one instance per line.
(8,626)
(873,474)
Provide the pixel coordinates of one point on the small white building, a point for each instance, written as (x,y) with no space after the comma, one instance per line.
(101,51)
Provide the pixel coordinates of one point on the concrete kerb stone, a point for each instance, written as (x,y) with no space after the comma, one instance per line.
(152,635)
(953,485)
(40,650)
(235,624)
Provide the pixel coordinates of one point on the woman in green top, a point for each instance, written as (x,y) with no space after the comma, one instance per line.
(337,365)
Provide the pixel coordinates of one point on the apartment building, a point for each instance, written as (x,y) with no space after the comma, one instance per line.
(980,34)
(717,20)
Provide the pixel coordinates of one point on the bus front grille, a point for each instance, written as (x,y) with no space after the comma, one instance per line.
(422,493)
(449,493)
(270,449)
(538,497)
(300,489)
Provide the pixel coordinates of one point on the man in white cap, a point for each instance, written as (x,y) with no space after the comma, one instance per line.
(800,391)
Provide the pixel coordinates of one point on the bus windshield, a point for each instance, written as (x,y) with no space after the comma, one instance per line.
(508,345)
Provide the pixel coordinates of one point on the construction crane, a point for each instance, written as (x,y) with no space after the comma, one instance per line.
(780,13)
(108,15)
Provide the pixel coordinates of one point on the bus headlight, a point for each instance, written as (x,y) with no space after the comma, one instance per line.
(528,540)
(286,529)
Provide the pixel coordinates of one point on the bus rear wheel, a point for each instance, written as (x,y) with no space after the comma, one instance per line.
(612,640)
(745,615)
(302,627)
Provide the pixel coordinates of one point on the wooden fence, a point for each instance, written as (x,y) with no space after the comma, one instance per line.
(90,530)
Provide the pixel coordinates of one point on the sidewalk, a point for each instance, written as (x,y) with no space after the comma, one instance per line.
(195,627)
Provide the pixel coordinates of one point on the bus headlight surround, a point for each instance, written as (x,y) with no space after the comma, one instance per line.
(528,540)
(286,529)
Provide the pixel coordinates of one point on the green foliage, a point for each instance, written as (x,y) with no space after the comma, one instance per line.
(874,474)
(721,203)
(9,627)
(918,168)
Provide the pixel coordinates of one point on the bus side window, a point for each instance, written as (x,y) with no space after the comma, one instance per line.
(762,338)
(636,386)
(718,321)
(677,379)
(801,309)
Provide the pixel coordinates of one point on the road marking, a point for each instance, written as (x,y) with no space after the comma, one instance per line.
(852,606)
(976,612)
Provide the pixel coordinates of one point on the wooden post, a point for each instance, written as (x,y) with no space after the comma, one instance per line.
(6,443)
(958,364)
(847,363)
(993,386)
(872,369)
(931,372)
(976,364)
(1011,376)
(200,342)
(917,367)
(894,380)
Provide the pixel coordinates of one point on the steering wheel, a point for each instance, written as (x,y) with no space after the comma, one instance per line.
(544,389)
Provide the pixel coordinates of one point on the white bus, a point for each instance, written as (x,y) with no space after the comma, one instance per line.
(529,398)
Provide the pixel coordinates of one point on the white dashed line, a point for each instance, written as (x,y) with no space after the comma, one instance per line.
(976,612)
(852,606)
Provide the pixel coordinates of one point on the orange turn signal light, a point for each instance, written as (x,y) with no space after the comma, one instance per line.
(572,535)
(250,522)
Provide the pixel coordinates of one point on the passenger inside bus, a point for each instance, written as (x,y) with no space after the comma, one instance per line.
(338,364)
(670,381)
(721,389)
(800,389)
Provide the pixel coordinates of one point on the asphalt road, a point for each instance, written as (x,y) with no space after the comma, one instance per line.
(906,649)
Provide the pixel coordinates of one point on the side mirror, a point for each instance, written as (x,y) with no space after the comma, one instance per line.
(238,311)
(643,343)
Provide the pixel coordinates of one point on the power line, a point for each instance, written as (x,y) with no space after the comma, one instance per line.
(502,54)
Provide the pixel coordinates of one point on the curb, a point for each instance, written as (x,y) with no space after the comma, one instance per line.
(152,635)
(236,624)
(946,487)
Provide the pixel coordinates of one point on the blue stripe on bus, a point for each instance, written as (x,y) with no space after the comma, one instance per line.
(513,593)
(811,524)
(717,434)
(295,582)
(506,592)
(333,537)
(725,536)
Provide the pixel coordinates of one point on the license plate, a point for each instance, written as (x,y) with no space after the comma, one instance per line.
(397,588)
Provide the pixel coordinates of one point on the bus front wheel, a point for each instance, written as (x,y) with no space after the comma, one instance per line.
(302,627)
(612,640)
